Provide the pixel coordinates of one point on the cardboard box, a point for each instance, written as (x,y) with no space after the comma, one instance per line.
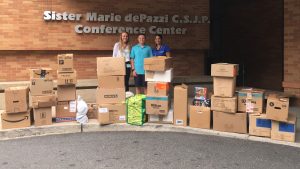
(42,73)
(159,63)
(156,76)
(224,70)
(105,96)
(224,104)
(66,109)
(180,105)
(111,66)
(251,100)
(67,78)
(259,125)
(158,88)
(65,63)
(43,101)
(163,119)
(111,82)
(17,120)
(42,116)
(200,117)
(278,108)
(16,99)
(117,112)
(284,131)
(104,117)
(66,93)
(200,93)
(92,111)
(158,105)
(228,122)
(224,86)
(39,87)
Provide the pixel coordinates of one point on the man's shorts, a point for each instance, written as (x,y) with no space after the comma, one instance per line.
(139,81)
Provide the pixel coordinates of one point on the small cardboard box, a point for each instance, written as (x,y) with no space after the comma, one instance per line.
(92,111)
(66,78)
(16,99)
(105,96)
(42,116)
(162,119)
(104,117)
(159,76)
(200,93)
(158,88)
(200,117)
(259,125)
(251,100)
(111,82)
(228,122)
(224,70)
(17,120)
(111,66)
(42,73)
(39,87)
(117,112)
(65,62)
(158,105)
(66,93)
(224,104)
(159,63)
(180,105)
(66,109)
(278,108)
(43,101)
(284,131)
(224,86)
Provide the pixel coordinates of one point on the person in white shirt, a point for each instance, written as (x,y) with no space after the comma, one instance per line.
(122,49)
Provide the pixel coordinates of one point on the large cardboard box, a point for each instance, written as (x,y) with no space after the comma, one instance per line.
(92,111)
(158,105)
(224,70)
(65,62)
(105,96)
(224,104)
(111,82)
(42,116)
(66,78)
(43,73)
(66,93)
(251,100)
(66,109)
(17,120)
(224,86)
(228,122)
(200,117)
(117,112)
(278,108)
(180,105)
(111,66)
(159,63)
(16,99)
(163,119)
(43,101)
(159,76)
(40,87)
(284,131)
(259,125)
(158,88)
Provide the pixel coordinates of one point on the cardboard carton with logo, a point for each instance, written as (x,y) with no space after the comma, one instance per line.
(284,131)
(224,104)
(17,120)
(16,99)
(66,93)
(229,122)
(117,112)
(92,111)
(158,105)
(43,101)
(158,88)
(278,108)
(180,105)
(162,119)
(251,100)
(40,87)
(111,66)
(42,116)
(105,96)
(159,76)
(42,73)
(224,70)
(67,78)
(259,125)
(66,109)
(158,63)
(65,63)
(224,86)
(200,117)
(111,82)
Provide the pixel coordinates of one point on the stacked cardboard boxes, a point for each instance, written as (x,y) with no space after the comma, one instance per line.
(110,95)
(42,95)
(66,89)
(158,76)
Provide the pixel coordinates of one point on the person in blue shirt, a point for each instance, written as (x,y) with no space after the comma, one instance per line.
(138,53)
(160,49)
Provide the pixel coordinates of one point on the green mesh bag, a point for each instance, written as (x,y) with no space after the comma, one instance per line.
(136,110)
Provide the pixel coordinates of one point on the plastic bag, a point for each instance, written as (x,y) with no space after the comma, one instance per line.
(136,110)
(82,109)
